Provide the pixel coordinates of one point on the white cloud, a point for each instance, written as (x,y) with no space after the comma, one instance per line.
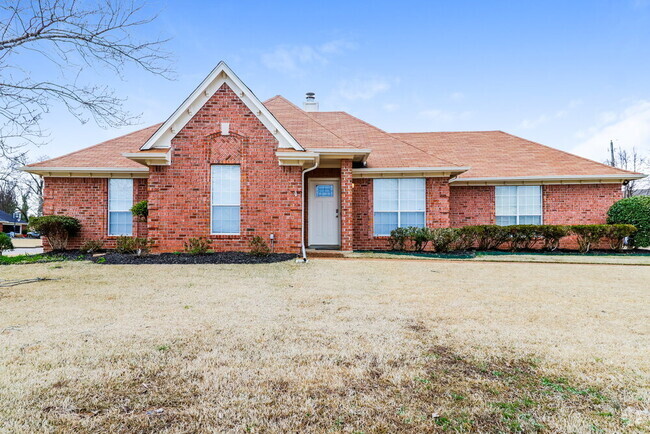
(444,115)
(457,96)
(628,129)
(389,107)
(293,59)
(544,117)
(362,88)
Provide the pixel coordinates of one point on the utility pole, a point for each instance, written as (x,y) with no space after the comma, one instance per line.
(612,162)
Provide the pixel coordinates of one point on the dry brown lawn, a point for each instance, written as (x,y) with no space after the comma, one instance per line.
(334,345)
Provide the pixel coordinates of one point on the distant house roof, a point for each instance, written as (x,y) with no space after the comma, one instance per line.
(483,156)
(6,218)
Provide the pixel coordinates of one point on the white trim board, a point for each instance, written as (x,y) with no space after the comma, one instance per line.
(221,74)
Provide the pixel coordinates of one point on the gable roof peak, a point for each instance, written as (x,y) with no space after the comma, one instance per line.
(218,76)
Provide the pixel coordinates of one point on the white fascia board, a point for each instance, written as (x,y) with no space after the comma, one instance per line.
(296,158)
(149,158)
(355,154)
(407,172)
(221,74)
(559,179)
(88,172)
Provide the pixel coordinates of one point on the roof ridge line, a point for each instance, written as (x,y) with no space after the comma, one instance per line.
(400,140)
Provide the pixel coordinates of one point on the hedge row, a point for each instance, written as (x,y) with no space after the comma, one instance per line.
(516,237)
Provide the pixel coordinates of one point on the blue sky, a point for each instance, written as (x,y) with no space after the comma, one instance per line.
(571,75)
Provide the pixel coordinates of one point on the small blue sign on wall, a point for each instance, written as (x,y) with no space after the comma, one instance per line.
(324,190)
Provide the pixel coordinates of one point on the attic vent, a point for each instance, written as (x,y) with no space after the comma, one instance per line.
(225,128)
(310,104)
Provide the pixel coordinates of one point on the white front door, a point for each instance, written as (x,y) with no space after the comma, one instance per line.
(324,226)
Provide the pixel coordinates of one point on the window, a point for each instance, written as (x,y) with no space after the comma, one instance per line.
(225,199)
(398,203)
(519,205)
(324,190)
(120,201)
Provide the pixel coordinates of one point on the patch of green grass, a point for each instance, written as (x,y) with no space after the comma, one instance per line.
(38,258)
(163,348)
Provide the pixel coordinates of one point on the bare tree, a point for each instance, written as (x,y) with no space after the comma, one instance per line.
(69,39)
(628,160)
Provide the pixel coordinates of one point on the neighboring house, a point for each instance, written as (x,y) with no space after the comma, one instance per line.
(228,167)
(9,224)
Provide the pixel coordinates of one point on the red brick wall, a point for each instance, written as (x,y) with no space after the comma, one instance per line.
(579,203)
(562,204)
(346,205)
(179,194)
(87,200)
(471,206)
(437,211)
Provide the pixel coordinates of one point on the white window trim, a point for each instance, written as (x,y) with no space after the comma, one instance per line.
(109,210)
(212,205)
(399,211)
(541,204)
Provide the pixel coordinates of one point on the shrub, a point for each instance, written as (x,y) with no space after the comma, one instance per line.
(587,235)
(444,239)
(197,246)
(466,238)
(91,246)
(258,246)
(419,237)
(5,243)
(57,228)
(398,238)
(141,209)
(633,211)
(488,237)
(552,234)
(130,245)
(523,236)
(616,234)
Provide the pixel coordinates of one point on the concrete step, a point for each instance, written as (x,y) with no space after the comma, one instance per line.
(319,253)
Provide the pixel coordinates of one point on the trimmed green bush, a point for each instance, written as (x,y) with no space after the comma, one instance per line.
(552,234)
(588,235)
(141,209)
(419,237)
(197,246)
(523,236)
(5,243)
(616,234)
(444,239)
(633,211)
(398,238)
(133,245)
(57,229)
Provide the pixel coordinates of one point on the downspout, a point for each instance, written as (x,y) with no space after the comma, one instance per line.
(302,231)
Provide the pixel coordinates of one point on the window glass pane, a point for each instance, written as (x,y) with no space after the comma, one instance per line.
(385,222)
(530,200)
(385,194)
(530,220)
(226,193)
(506,220)
(120,223)
(225,219)
(411,194)
(411,219)
(506,200)
(226,181)
(324,190)
(120,201)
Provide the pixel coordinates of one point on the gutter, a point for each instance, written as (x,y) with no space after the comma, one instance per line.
(302,208)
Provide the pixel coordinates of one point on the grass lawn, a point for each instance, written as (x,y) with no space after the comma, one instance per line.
(333,345)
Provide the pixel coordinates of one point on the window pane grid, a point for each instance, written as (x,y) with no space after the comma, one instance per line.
(226,199)
(518,205)
(398,203)
(120,201)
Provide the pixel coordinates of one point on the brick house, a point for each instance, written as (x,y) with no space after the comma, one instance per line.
(228,167)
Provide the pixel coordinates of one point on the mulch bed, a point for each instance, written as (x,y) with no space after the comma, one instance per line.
(185,258)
